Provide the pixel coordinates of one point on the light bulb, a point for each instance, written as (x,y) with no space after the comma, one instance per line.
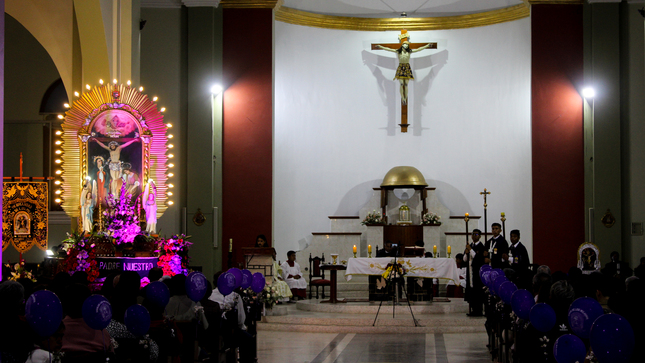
(57,182)
(58,161)
(66,105)
(58,152)
(100,81)
(171,165)
(76,94)
(163,109)
(59,172)
(170,156)
(114,81)
(588,92)
(88,87)
(169,193)
(170,175)
(57,192)
(170,136)
(57,200)
(60,117)
(58,132)
(170,186)
(58,142)
(169,125)
(128,82)
(170,202)
(170,146)
(155,98)
(141,89)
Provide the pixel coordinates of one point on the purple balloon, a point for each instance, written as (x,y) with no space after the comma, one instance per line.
(542,317)
(196,285)
(238,276)
(485,267)
(582,313)
(497,283)
(247,279)
(612,338)
(258,282)
(569,349)
(522,301)
(137,320)
(226,283)
(97,312)
(506,290)
(44,312)
(158,293)
(494,274)
(485,276)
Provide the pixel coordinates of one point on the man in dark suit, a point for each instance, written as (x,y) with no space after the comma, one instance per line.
(497,248)
(474,256)
(387,251)
(520,262)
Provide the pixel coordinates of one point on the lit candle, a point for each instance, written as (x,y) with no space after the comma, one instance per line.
(354,248)
(467,214)
(230,245)
(369,248)
(434,250)
(449,249)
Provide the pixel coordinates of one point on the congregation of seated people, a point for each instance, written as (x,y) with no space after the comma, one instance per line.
(617,289)
(213,329)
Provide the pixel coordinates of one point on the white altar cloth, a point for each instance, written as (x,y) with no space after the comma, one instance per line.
(438,268)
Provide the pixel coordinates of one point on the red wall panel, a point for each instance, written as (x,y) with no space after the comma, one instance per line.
(247,149)
(557,134)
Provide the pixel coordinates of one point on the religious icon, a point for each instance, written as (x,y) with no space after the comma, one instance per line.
(88,202)
(150,206)
(21,224)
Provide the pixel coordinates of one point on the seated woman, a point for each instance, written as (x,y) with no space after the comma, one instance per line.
(278,281)
(293,276)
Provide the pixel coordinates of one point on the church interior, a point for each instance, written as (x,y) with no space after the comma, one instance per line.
(258,153)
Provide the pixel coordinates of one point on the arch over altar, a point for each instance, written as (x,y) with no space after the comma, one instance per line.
(114,147)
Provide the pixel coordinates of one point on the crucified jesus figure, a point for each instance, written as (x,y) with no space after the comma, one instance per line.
(404,72)
(114,163)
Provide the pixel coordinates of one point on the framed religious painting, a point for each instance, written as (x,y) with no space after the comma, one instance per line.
(114,149)
(24,215)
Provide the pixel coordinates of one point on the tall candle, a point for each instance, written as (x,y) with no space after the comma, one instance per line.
(449,249)
(434,250)
(369,248)
(354,248)
(230,245)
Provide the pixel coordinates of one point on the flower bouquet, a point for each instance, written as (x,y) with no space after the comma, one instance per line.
(269,296)
(394,267)
(173,257)
(18,271)
(81,255)
(373,218)
(430,219)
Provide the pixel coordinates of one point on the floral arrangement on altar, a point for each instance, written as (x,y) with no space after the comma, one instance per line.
(173,258)
(81,255)
(430,219)
(372,218)
(121,217)
(18,271)
(394,267)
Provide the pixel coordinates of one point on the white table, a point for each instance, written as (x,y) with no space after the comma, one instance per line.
(431,268)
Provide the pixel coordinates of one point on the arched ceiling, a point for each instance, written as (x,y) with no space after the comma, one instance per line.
(394,8)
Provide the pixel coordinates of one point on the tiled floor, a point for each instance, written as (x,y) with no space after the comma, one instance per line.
(292,347)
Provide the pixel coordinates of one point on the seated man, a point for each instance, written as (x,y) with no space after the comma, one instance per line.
(617,268)
(292,275)
(386,251)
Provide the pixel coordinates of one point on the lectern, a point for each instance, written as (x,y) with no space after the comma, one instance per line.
(260,259)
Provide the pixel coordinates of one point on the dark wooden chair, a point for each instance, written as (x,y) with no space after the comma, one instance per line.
(317,276)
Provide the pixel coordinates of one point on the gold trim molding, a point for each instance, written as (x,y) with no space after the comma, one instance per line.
(298,17)
(251,4)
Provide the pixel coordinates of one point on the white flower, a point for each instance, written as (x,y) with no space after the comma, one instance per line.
(268,296)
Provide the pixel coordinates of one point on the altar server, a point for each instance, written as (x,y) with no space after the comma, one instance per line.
(497,248)
(520,261)
(293,276)
(474,255)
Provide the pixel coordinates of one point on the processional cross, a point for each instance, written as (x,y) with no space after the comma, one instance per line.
(485,193)
(404,73)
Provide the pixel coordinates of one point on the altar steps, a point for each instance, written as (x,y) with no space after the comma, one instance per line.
(310,316)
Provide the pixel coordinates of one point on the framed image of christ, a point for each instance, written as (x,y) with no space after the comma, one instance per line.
(115,155)
(21,224)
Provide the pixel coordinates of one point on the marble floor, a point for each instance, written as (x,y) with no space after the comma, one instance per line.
(297,347)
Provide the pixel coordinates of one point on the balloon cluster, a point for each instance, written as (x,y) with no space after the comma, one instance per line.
(235,278)
(610,336)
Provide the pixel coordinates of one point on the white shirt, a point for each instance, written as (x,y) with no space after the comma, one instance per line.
(228,302)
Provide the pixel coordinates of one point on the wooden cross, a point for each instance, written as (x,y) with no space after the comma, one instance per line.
(485,193)
(404,105)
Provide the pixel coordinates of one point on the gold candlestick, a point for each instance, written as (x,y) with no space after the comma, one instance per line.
(354,254)
(369,254)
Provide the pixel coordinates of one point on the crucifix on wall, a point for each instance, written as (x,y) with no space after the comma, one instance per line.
(404,73)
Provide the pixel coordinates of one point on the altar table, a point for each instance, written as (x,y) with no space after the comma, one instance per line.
(432,268)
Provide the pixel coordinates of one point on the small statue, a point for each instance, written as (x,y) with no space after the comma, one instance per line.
(88,202)
(150,206)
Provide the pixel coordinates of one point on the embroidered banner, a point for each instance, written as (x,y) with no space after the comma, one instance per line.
(24,215)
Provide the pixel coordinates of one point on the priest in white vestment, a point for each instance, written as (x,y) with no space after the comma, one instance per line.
(292,275)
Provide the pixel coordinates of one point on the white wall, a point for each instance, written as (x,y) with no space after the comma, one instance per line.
(337,112)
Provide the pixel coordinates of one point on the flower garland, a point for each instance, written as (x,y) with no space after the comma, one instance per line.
(430,219)
(373,217)
(173,257)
